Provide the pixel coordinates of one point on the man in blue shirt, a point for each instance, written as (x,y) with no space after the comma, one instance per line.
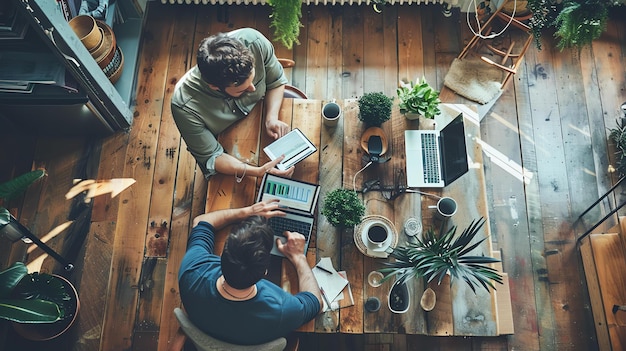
(227,297)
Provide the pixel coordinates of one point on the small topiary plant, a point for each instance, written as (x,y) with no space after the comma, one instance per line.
(374,108)
(343,208)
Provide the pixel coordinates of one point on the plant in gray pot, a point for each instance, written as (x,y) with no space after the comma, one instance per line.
(418,100)
(434,256)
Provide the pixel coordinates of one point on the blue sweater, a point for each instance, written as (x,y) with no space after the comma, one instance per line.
(272,313)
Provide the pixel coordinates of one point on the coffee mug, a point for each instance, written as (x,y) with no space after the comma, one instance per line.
(331,112)
(446,208)
(377,235)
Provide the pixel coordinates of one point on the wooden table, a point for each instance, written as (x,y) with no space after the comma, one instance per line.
(458,310)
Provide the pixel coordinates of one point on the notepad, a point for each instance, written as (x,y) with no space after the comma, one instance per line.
(294,145)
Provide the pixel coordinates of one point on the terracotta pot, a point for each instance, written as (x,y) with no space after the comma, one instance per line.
(47,331)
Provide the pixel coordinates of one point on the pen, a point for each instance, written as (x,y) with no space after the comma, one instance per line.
(325,299)
(324,269)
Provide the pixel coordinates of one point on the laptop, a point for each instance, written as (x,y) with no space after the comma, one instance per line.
(294,145)
(297,199)
(436,158)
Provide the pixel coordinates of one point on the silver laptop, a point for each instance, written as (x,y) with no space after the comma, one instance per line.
(297,199)
(436,158)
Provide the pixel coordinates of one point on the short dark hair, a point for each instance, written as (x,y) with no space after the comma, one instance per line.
(224,61)
(246,254)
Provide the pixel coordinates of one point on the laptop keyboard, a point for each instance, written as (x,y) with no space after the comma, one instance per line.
(430,157)
(281,224)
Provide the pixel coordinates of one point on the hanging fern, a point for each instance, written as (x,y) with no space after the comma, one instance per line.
(579,23)
(285,17)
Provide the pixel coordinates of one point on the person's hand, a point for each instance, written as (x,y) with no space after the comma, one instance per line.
(270,167)
(293,247)
(266,209)
(276,128)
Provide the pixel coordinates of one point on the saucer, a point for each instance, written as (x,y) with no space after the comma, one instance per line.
(360,237)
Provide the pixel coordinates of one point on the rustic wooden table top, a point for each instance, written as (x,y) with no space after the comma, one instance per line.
(458,311)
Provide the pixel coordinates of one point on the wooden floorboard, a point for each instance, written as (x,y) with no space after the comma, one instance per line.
(546,158)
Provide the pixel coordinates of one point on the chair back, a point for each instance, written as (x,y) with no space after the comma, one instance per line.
(291,92)
(204,342)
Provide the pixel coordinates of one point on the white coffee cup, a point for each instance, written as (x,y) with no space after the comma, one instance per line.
(446,208)
(331,112)
(377,235)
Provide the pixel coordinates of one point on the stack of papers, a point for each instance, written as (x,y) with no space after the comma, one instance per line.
(334,285)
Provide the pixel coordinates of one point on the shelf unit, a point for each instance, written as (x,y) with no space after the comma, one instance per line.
(99,107)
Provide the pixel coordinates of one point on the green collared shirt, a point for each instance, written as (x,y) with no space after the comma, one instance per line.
(201,113)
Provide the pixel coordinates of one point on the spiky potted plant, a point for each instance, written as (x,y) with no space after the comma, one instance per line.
(434,256)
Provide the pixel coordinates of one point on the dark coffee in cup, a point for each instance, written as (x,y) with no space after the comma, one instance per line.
(331,110)
(377,235)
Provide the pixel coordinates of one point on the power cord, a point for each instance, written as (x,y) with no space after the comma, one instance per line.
(480,29)
(355,174)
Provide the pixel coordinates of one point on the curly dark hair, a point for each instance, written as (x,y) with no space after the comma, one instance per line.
(224,61)
(246,254)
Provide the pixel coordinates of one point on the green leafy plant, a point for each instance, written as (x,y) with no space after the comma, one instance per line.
(374,108)
(286,16)
(343,208)
(579,23)
(618,135)
(419,98)
(15,187)
(576,22)
(434,256)
(20,303)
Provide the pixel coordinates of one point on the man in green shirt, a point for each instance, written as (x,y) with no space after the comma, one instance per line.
(235,70)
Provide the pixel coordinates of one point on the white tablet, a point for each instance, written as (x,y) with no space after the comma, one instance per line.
(294,145)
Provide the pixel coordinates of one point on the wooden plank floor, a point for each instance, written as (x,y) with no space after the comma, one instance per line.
(546,159)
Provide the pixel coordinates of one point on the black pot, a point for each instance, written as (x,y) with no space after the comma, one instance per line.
(48,331)
(399,298)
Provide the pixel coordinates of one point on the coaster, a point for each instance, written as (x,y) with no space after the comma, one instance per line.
(360,236)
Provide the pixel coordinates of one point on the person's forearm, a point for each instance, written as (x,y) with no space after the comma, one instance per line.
(227,164)
(221,218)
(306,279)
(273,101)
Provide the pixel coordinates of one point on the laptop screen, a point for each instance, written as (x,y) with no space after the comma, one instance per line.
(453,150)
(293,194)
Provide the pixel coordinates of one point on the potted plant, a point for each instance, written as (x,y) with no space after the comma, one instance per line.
(286,16)
(618,135)
(374,108)
(343,208)
(576,22)
(418,100)
(41,306)
(11,189)
(432,257)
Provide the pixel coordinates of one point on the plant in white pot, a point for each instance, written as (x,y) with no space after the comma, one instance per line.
(434,256)
(418,100)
